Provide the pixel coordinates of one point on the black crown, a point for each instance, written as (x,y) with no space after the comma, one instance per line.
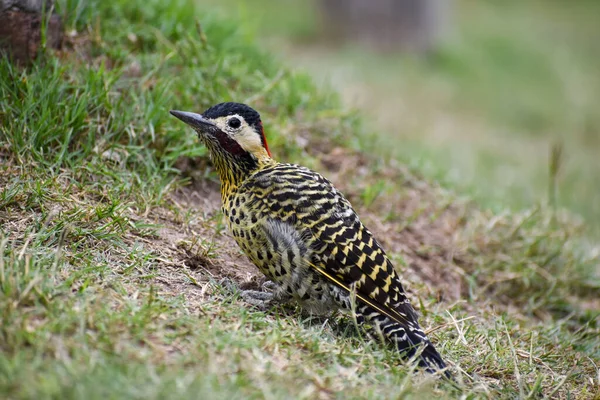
(224,109)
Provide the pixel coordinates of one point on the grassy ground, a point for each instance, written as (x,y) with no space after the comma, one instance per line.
(112,245)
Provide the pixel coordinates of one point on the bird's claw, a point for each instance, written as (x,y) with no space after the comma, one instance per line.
(269,296)
(270,286)
(261,300)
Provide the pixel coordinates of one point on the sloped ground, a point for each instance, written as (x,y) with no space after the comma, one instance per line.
(113,246)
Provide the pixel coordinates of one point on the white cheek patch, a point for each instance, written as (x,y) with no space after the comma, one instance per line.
(249,140)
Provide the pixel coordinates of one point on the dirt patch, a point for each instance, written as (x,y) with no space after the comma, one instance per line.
(192,247)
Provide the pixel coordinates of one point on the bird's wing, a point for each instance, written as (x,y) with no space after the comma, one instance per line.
(355,261)
(343,251)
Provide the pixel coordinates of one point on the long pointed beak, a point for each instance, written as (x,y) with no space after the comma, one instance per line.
(194,120)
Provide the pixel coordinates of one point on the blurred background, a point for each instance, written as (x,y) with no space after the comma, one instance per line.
(498,100)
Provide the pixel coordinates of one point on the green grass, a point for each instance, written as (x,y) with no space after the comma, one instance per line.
(107,270)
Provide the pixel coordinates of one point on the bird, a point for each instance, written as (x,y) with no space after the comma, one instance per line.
(304,235)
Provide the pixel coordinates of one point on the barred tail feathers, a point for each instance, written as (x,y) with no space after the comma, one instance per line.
(407,340)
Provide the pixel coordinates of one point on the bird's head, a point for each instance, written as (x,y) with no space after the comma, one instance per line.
(231,131)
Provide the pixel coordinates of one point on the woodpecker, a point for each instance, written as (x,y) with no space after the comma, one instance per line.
(303,234)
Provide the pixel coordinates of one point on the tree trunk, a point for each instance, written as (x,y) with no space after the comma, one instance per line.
(388,25)
(21,28)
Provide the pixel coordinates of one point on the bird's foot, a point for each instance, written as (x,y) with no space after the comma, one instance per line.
(270,286)
(270,295)
(261,300)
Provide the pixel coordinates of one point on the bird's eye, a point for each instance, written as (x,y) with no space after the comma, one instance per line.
(234,123)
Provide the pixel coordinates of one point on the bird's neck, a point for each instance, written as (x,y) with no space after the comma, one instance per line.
(233,172)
